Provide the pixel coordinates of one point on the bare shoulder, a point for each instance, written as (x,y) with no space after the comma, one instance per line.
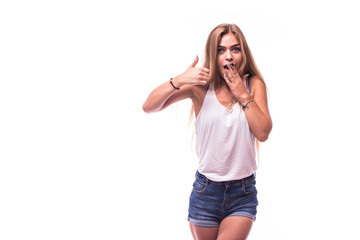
(257,85)
(258,89)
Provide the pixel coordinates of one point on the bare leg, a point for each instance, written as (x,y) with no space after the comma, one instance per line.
(203,233)
(235,228)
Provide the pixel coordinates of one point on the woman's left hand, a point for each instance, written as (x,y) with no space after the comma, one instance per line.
(236,84)
(257,114)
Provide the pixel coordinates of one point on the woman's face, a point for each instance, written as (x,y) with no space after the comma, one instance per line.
(229,51)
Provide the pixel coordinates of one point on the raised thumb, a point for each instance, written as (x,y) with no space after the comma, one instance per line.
(194,62)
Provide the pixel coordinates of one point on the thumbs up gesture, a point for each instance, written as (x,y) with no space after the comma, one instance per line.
(194,75)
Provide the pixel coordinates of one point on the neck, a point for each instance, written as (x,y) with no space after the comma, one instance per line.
(222,85)
(225,88)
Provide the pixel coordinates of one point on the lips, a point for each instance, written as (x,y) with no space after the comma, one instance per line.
(227,66)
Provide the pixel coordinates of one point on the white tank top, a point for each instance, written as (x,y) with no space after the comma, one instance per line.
(224,141)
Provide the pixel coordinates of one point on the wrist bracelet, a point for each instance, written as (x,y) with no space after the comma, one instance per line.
(173,84)
(245,105)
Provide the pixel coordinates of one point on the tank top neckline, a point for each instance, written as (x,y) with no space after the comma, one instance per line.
(229,110)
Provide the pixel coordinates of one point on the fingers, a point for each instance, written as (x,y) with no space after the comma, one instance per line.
(199,80)
(203,76)
(230,69)
(232,77)
(204,73)
(194,62)
(202,69)
(203,82)
(206,70)
(203,79)
(227,79)
(231,72)
(199,76)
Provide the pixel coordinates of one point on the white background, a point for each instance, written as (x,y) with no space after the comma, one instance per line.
(80,160)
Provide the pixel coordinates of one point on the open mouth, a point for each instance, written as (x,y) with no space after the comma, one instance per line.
(227,66)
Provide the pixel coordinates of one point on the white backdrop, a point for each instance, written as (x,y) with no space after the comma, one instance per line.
(80,160)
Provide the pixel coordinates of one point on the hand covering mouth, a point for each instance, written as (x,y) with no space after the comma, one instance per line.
(226,66)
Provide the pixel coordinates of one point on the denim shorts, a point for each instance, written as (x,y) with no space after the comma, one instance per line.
(211,202)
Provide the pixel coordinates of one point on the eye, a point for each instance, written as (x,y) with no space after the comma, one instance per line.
(220,50)
(236,49)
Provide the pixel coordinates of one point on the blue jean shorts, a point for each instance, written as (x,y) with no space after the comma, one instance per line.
(211,202)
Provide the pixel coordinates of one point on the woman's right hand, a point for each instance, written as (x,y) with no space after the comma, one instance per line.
(165,95)
(192,75)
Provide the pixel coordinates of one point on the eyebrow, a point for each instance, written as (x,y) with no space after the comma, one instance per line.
(235,45)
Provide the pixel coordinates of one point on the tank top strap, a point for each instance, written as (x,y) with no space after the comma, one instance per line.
(248,83)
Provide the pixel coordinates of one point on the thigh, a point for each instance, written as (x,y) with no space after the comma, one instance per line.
(203,233)
(234,228)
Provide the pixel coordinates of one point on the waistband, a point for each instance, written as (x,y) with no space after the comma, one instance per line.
(227,183)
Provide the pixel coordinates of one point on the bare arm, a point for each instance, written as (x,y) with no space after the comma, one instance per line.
(165,95)
(257,111)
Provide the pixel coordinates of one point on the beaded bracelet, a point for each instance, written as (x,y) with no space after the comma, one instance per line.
(173,84)
(245,105)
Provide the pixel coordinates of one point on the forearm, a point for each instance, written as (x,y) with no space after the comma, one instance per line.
(158,98)
(256,109)
(259,122)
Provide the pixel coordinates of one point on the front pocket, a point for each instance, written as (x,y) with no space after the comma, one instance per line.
(249,185)
(199,186)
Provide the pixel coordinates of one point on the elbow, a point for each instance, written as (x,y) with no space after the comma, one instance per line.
(264,135)
(146,108)
(263,138)
(149,109)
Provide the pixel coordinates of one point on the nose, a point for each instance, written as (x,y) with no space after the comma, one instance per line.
(228,55)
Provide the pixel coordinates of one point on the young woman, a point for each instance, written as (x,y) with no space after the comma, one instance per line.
(230,104)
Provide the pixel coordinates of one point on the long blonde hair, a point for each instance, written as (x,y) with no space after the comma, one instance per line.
(248,65)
